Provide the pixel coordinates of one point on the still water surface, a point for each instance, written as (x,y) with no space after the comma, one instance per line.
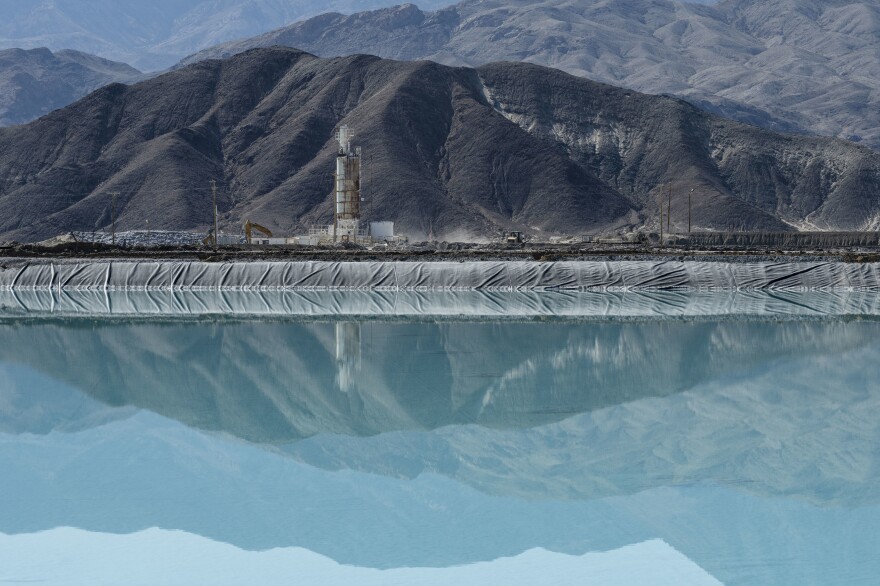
(650,451)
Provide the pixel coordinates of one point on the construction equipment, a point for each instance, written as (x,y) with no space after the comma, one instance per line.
(249,227)
(514,238)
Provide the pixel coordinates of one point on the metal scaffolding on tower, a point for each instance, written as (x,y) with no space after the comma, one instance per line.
(346,219)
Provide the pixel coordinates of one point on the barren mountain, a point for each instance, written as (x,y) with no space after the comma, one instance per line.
(35,82)
(794,65)
(452,153)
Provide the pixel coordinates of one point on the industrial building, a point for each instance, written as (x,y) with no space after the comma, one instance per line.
(347,225)
(347,200)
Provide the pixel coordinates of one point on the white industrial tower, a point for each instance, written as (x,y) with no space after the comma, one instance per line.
(347,219)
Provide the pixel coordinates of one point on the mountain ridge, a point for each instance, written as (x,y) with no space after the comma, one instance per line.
(458,153)
(37,81)
(152,35)
(795,66)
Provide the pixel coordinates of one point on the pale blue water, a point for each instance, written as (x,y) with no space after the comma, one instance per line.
(745,451)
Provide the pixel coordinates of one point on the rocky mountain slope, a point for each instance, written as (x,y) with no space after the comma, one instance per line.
(156,34)
(795,65)
(35,82)
(453,153)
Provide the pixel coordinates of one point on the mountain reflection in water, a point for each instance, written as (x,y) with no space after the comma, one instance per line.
(387,444)
(277,382)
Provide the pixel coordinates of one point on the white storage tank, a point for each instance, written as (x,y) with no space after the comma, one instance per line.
(382,230)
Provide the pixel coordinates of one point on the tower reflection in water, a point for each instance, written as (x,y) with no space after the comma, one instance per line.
(348,354)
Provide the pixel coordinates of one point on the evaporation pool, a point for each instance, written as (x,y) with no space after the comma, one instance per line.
(630,438)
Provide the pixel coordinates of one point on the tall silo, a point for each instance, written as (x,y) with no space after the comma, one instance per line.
(346,221)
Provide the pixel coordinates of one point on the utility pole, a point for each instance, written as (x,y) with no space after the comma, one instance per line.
(113,196)
(690,196)
(214,196)
(660,201)
(669,211)
(335,211)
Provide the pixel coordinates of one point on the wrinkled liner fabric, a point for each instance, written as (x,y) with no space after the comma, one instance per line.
(408,304)
(417,276)
(609,289)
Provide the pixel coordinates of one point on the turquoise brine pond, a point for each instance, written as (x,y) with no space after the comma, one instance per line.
(357,450)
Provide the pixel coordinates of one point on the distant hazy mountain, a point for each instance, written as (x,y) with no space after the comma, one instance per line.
(153,34)
(455,153)
(803,65)
(35,82)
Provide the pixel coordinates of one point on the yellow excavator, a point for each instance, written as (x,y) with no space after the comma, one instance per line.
(209,239)
(249,228)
